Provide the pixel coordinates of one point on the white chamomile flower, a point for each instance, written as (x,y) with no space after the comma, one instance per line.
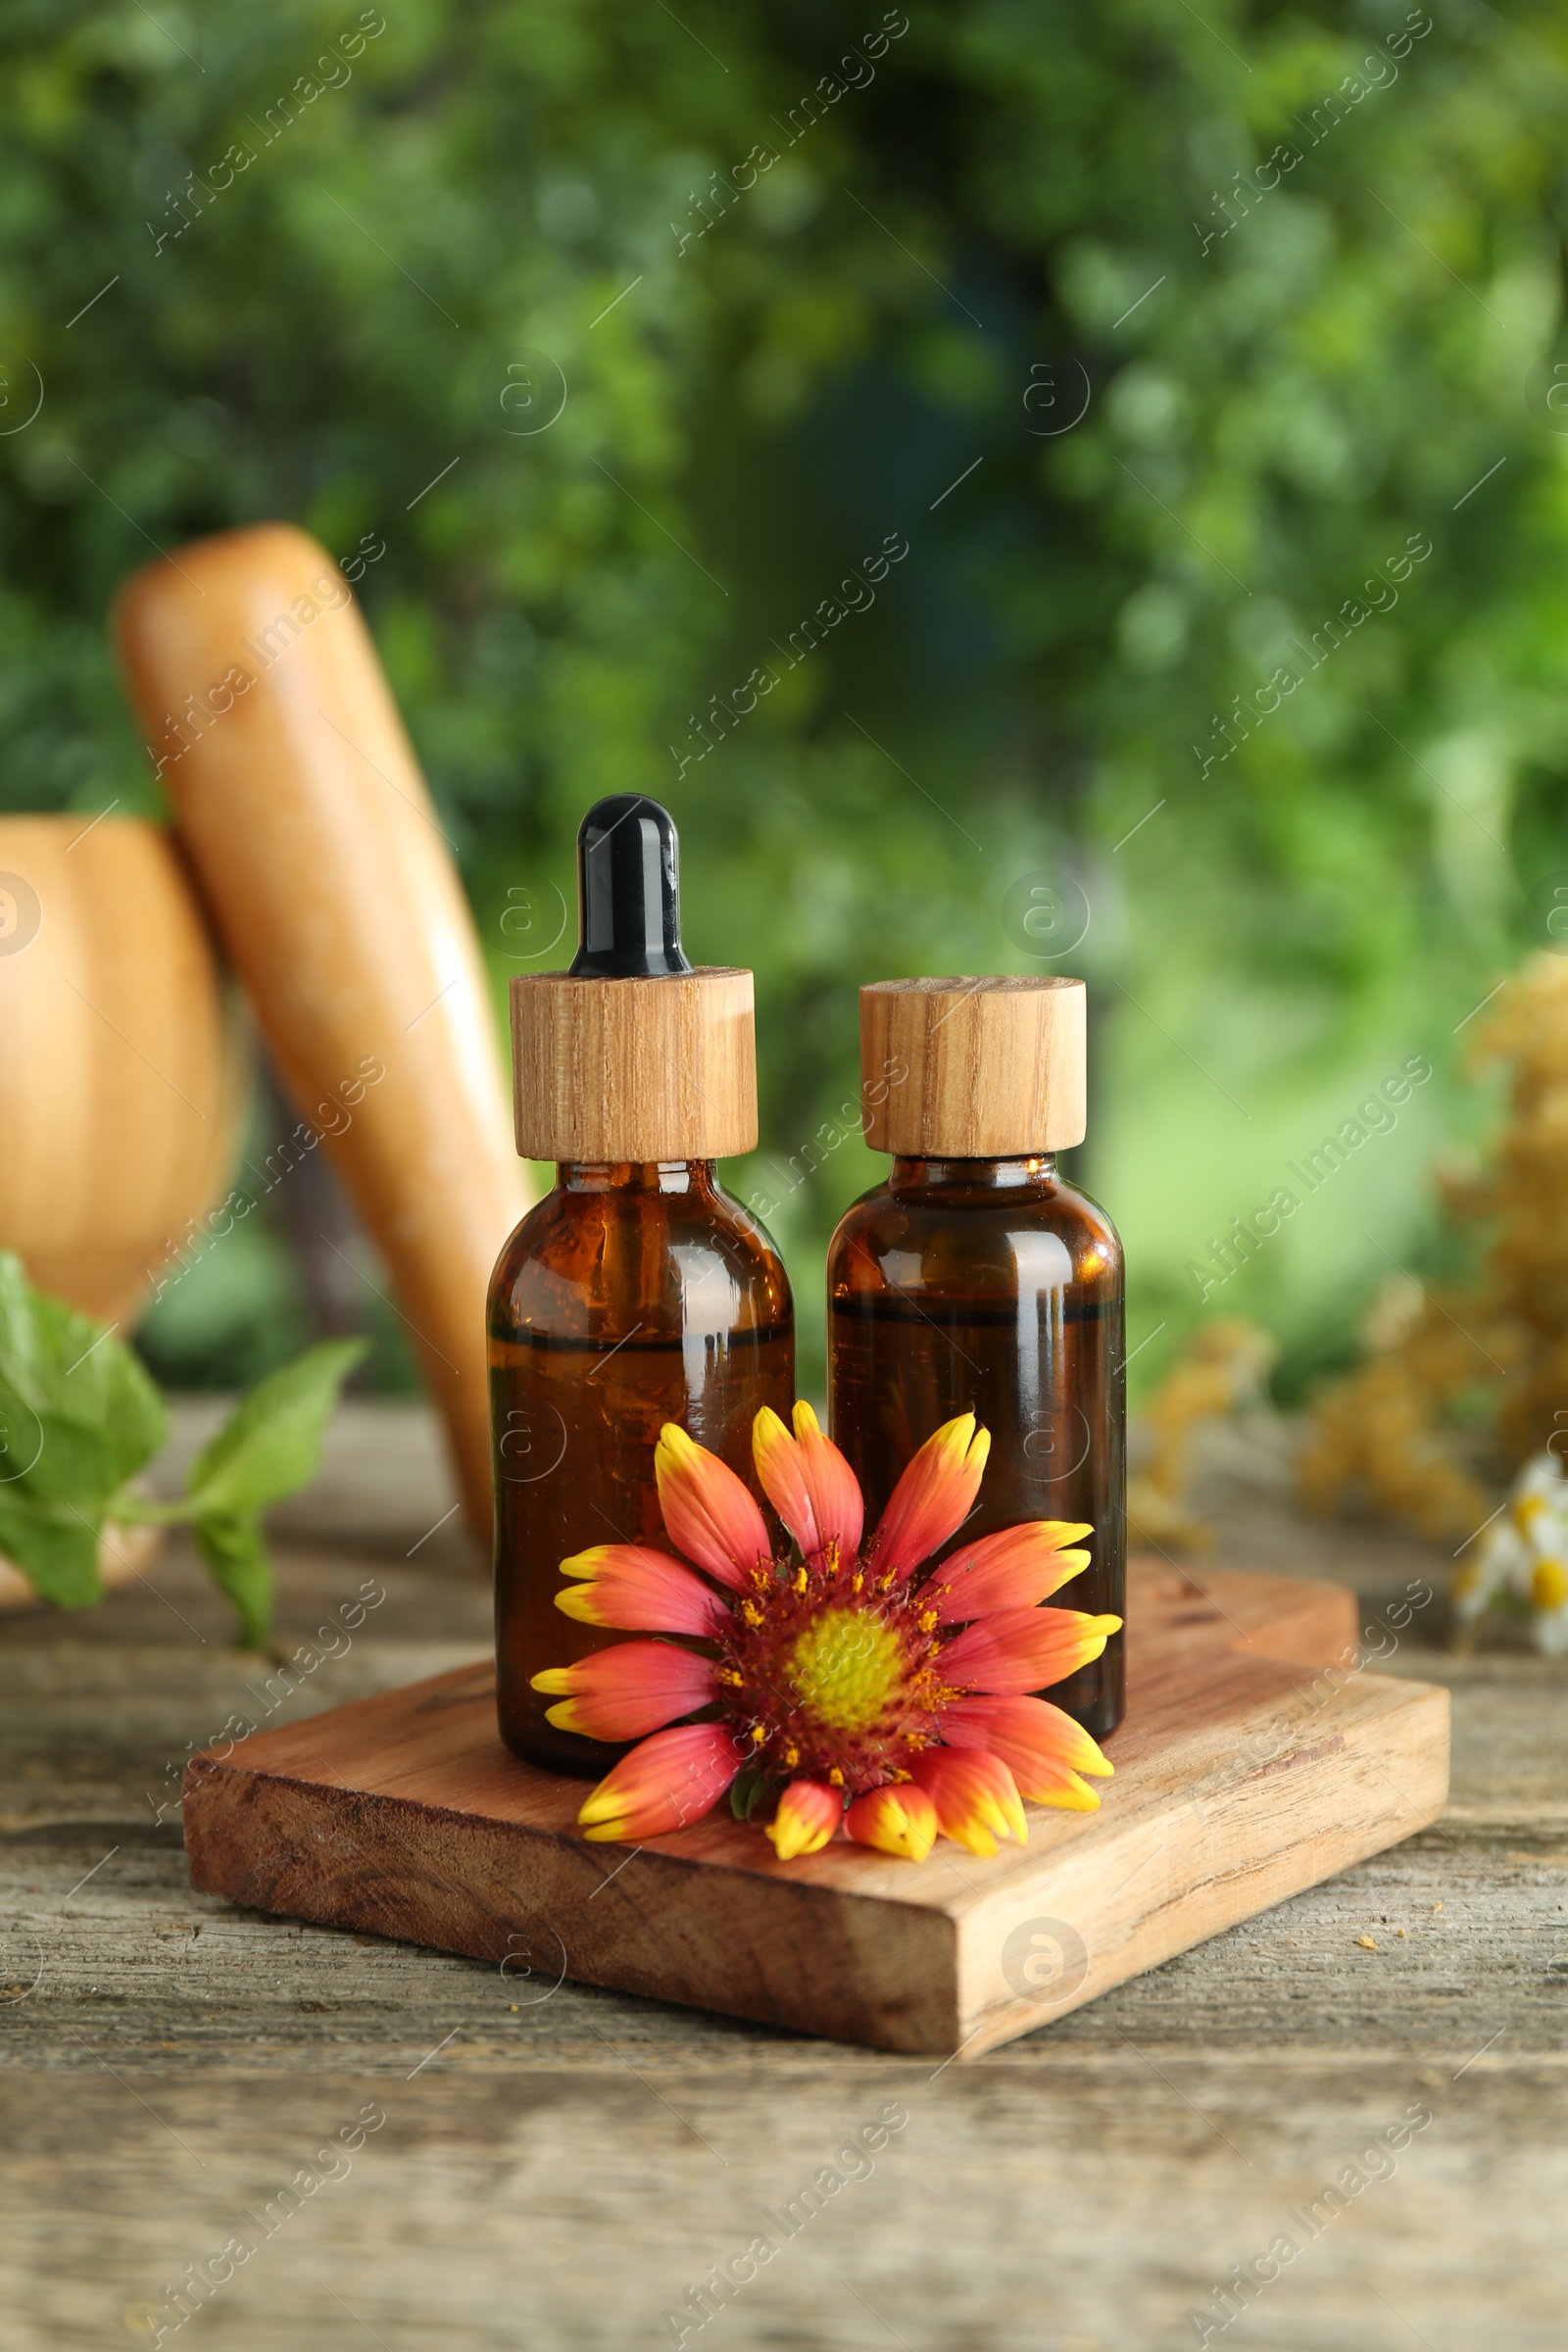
(1524,1554)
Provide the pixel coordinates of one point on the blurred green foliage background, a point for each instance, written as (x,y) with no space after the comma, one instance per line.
(809,278)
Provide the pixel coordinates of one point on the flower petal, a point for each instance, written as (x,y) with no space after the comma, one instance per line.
(933,1498)
(1042,1748)
(1062,1789)
(900,1819)
(783,1478)
(975,1796)
(644,1591)
(672,1779)
(1024,1650)
(709,1514)
(809,1813)
(628,1689)
(809,1483)
(1014,1569)
(836,1495)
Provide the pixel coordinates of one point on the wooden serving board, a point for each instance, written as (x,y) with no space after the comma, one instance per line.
(1256,1760)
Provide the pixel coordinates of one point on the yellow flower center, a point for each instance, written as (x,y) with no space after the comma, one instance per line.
(846,1666)
(1548,1585)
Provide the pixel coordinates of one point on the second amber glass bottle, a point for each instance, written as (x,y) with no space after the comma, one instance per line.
(976,1279)
(638,1291)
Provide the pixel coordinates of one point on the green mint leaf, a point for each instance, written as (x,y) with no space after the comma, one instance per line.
(236,1555)
(272,1442)
(79,1416)
(56,1550)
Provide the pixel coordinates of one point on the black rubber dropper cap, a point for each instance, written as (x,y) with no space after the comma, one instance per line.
(628,891)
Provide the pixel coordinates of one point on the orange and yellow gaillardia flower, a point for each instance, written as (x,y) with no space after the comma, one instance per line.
(835,1685)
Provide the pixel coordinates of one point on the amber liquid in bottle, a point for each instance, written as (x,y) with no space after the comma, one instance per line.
(632,1295)
(991,1286)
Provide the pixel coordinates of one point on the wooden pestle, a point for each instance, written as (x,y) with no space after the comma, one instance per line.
(313,837)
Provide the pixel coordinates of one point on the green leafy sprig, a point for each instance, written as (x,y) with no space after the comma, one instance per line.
(79,1418)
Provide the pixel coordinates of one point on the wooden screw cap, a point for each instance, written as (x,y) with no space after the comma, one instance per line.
(973,1070)
(643,1070)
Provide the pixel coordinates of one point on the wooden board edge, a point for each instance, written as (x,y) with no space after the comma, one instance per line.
(1024,1964)
(838,1964)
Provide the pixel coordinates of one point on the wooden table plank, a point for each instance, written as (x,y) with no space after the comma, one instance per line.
(561,2170)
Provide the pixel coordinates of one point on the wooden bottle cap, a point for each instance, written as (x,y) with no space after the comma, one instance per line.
(973,1070)
(643,1070)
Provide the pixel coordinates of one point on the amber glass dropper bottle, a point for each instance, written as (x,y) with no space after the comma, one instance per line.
(975,1278)
(638,1291)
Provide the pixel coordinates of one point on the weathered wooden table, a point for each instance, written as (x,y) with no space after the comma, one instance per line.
(422,2151)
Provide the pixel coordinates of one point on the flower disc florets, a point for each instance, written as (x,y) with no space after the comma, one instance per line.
(841,1681)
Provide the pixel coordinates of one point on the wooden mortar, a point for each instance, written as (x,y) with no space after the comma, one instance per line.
(122,1072)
